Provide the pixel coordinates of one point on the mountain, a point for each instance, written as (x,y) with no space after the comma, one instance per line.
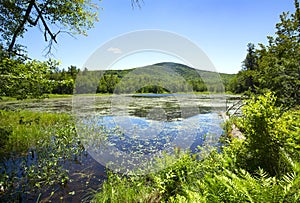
(192,73)
(156,78)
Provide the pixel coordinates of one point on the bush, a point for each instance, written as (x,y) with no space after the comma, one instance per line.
(271,136)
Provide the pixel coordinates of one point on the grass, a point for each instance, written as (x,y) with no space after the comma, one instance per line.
(62,96)
(26,129)
(3,98)
(54,96)
(36,145)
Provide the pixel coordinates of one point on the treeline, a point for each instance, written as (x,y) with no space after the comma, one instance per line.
(157,78)
(273,67)
(276,66)
(34,79)
(23,79)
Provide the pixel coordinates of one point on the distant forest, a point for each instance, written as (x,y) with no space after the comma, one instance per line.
(34,79)
(158,78)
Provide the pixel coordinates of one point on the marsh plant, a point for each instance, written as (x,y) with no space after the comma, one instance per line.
(35,148)
(263,167)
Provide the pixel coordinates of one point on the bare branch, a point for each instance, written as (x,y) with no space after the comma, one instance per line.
(67,32)
(23,56)
(136,3)
(49,48)
(34,23)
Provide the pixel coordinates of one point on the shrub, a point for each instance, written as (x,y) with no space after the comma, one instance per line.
(271,136)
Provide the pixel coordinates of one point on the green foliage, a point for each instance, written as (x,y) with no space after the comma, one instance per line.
(34,79)
(157,78)
(243,82)
(281,63)
(64,81)
(33,152)
(247,78)
(16,17)
(127,190)
(270,135)
(275,67)
(280,60)
(241,186)
(216,178)
(24,79)
(107,83)
(87,82)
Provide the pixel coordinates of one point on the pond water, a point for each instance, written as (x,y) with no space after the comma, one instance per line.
(139,126)
(128,131)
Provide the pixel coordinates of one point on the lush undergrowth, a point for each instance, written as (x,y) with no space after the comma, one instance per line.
(214,179)
(262,168)
(33,147)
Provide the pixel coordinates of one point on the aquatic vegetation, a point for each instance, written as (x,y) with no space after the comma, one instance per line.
(34,146)
(225,176)
(213,179)
(125,143)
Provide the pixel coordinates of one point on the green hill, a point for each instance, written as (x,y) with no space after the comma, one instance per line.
(156,78)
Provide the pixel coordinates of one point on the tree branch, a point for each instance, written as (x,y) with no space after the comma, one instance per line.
(20,27)
(47,29)
(136,3)
(34,23)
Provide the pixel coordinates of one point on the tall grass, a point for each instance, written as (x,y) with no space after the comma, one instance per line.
(34,146)
(25,129)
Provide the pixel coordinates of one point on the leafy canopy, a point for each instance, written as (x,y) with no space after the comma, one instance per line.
(50,16)
(25,79)
(275,67)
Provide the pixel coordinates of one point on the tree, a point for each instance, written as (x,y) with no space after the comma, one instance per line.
(51,16)
(251,67)
(73,71)
(276,66)
(250,63)
(63,81)
(271,135)
(246,79)
(279,61)
(25,79)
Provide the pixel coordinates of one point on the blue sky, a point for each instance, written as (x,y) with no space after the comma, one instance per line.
(221,28)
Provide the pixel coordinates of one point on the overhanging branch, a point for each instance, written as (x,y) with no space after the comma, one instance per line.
(47,29)
(20,28)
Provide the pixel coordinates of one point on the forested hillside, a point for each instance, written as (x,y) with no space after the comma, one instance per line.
(156,78)
(35,79)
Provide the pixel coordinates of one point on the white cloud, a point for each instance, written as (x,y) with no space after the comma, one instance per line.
(114,50)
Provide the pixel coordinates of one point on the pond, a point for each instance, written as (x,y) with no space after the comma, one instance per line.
(134,129)
(146,124)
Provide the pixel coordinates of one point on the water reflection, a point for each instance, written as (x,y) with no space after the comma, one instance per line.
(171,113)
(147,124)
(149,136)
(128,142)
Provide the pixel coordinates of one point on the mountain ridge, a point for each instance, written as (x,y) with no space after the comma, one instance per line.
(155,78)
